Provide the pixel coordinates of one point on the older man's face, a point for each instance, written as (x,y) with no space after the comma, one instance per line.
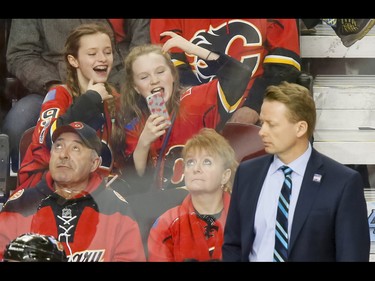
(72,161)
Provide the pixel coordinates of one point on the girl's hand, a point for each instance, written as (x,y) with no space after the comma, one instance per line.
(100,88)
(188,47)
(177,41)
(155,127)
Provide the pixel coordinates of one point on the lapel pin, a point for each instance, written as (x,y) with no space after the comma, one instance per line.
(317,178)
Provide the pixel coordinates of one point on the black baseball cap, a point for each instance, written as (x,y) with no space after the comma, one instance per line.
(87,134)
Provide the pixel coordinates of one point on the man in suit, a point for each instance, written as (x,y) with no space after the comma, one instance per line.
(327,218)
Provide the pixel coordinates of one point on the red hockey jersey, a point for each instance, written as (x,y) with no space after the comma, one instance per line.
(59,108)
(180,235)
(259,43)
(207,105)
(96,225)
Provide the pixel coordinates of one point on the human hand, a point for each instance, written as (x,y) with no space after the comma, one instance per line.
(155,127)
(188,47)
(100,88)
(177,41)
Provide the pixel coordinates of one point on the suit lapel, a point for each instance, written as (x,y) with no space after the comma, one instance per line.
(310,187)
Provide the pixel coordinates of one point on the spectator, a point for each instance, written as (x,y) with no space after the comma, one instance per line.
(35,57)
(327,218)
(152,146)
(86,97)
(193,231)
(270,47)
(73,204)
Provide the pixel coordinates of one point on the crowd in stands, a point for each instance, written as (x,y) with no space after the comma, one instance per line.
(112,181)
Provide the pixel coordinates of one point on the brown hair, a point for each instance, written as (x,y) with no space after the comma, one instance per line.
(72,45)
(298,100)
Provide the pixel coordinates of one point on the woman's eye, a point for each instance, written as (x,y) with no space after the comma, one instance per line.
(207,162)
(190,162)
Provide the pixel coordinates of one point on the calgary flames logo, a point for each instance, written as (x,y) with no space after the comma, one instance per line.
(243,43)
(174,165)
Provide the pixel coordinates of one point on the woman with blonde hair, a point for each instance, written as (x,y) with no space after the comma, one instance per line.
(193,231)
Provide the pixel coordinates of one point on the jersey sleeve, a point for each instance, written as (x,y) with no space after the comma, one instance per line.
(58,109)
(233,77)
(160,240)
(55,104)
(282,61)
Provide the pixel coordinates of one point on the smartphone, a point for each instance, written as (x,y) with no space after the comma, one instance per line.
(156,104)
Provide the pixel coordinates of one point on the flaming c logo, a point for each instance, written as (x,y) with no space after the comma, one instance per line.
(243,43)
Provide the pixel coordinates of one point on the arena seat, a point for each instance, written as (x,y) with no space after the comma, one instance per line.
(245,140)
(25,140)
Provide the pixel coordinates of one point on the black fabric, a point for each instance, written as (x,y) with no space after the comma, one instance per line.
(87,108)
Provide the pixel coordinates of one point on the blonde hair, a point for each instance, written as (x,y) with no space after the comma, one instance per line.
(133,106)
(215,145)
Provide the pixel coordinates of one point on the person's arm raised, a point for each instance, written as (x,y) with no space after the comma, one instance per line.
(188,47)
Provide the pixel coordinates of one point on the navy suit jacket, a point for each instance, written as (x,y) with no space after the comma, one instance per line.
(330,220)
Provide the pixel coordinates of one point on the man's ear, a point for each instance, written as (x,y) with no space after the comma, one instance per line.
(301,128)
(96,163)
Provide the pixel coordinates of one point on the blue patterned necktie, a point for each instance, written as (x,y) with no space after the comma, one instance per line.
(281,232)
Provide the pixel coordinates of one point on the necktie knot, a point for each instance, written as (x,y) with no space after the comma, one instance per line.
(286,170)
